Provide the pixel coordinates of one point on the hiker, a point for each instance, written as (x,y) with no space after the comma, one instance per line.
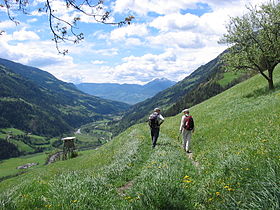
(186,129)
(155,120)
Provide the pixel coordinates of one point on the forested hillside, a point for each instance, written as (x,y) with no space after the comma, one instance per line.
(35,101)
(207,81)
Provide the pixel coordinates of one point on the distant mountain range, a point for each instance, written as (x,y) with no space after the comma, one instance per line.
(35,101)
(127,93)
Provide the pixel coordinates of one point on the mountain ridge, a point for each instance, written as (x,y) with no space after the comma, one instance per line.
(127,93)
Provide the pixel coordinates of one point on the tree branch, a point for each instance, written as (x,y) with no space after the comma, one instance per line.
(60,27)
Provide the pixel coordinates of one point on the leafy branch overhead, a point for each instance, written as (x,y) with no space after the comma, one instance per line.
(254,41)
(63,29)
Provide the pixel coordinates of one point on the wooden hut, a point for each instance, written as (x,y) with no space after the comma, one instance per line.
(68,147)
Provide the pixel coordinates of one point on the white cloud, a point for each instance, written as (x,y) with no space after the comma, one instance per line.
(174,64)
(100,34)
(179,39)
(144,68)
(133,42)
(122,33)
(32,20)
(107,52)
(97,62)
(211,23)
(25,35)
(34,53)
(175,22)
(165,7)
(158,6)
(7,24)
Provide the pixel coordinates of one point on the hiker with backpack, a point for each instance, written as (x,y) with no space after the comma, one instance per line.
(186,129)
(155,120)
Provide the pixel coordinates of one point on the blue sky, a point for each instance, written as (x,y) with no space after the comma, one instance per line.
(167,39)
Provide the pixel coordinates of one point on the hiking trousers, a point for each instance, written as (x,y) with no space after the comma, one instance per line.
(154,135)
(186,134)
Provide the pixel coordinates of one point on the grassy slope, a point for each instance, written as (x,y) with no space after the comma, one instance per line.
(9,167)
(236,144)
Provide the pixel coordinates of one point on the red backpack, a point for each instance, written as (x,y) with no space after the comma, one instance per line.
(189,123)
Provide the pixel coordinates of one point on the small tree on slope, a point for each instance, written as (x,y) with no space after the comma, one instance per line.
(254,41)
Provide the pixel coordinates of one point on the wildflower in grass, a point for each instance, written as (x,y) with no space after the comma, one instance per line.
(127,198)
(218,193)
(187,181)
(229,188)
(210,199)
(74,201)
(48,206)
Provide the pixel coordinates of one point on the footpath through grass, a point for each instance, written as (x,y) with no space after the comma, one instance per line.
(236,144)
(94,180)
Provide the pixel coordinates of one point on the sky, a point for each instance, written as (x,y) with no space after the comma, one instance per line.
(167,39)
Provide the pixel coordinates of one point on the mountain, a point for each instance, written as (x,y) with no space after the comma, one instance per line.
(35,101)
(127,93)
(206,81)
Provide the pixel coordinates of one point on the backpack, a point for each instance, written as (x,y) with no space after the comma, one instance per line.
(189,123)
(153,121)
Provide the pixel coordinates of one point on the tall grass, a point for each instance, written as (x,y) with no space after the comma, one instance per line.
(236,145)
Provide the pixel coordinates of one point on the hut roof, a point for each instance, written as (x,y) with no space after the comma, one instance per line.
(68,138)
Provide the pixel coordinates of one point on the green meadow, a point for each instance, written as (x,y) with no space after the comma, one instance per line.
(8,168)
(235,162)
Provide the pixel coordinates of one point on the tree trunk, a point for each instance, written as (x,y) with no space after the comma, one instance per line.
(270,80)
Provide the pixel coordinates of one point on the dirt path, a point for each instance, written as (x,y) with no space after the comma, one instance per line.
(121,190)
